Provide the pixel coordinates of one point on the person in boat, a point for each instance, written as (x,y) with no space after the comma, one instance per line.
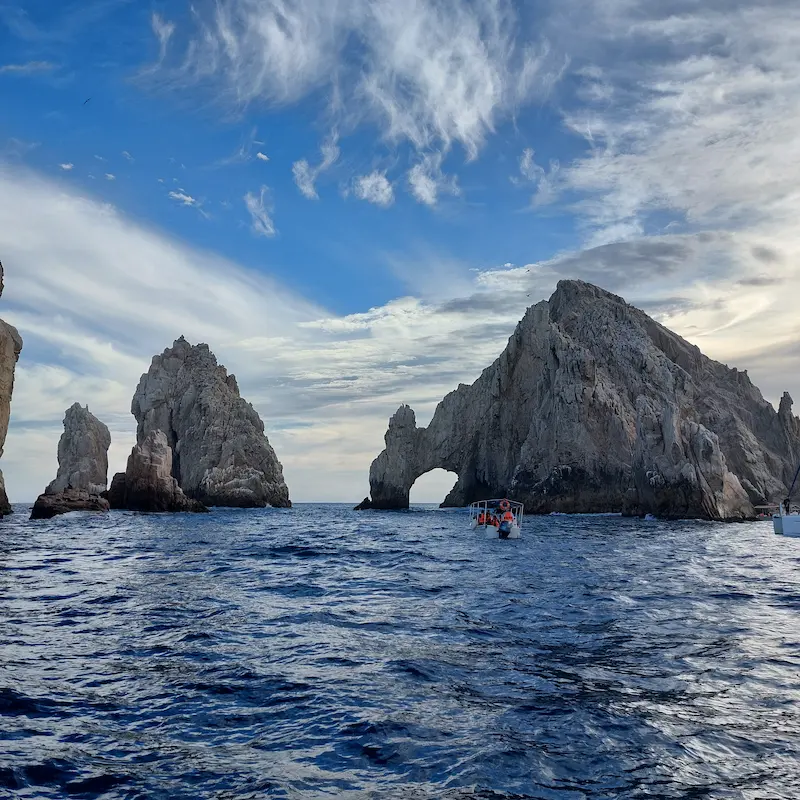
(482,518)
(506,514)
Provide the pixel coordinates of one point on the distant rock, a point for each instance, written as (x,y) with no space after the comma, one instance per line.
(593,406)
(82,453)
(82,467)
(48,506)
(10,348)
(147,483)
(221,455)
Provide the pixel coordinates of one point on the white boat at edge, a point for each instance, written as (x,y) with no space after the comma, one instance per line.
(786,524)
(491,531)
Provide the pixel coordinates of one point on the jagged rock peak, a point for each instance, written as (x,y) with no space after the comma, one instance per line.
(82,453)
(594,406)
(222,456)
(10,348)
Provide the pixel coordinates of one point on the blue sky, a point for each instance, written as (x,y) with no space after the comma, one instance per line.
(354,202)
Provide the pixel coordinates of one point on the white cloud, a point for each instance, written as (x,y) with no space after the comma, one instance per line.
(432,72)
(66,167)
(705,134)
(127,156)
(305,176)
(28,68)
(374,188)
(545,181)
(427,181)
(184,199)
(100,158)
(110,177)
(260,210)
(262,156)
(163,31)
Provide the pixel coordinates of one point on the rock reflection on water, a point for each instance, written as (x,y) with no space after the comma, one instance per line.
(319,652)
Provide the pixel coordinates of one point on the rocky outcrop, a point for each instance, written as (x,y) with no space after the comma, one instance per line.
(147,483)
(221,456)
(593,406)
(82,467)
(48,506)
(82,453)
(10,348)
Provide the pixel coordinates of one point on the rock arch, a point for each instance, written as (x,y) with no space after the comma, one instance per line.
(594,406)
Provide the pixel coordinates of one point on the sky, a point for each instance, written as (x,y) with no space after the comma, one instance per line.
(352,202)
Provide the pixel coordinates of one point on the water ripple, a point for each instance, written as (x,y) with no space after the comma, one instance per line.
(319,652)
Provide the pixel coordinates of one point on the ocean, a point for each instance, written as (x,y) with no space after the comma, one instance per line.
(320,652)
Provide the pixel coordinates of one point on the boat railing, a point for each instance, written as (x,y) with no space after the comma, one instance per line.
(486,506)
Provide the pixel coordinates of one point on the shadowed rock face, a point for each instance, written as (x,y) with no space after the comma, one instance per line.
(221,456)
(82,467)
(10,348)
(48,506)
(147,483)
(82,453)
(593,406)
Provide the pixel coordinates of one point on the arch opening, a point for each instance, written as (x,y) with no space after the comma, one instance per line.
(432,487)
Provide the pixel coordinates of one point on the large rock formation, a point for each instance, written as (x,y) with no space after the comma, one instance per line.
(147,483)
(221,456)
(82,453)
(10,348)
(593,406)
(82,467)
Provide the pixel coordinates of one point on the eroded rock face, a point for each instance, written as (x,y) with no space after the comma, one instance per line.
(147,483)
(221,454)
(10,348)
(593,406)
(48,506)
(82,453)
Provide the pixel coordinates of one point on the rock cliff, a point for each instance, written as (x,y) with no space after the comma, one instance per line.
(82,453)
(221,456)
(10,348)
(147,483)
(82,467)
(593,406)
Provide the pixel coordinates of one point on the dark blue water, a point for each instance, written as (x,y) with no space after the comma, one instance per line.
(319,652)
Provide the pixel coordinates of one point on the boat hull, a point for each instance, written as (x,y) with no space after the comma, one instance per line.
(491,532)
(787,525)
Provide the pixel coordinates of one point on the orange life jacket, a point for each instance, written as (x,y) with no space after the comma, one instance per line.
(481,518)
(508,517)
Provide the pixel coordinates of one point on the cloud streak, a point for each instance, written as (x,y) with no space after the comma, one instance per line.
(29,68)
(260,210)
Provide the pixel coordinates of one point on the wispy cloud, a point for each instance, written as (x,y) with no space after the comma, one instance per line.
(110,176)
(127,156)
(184,199)
(262,156)
(66,167)
(374,188)
(544,180)
(29,68)
(305,176)
(431,73)
(427,181)
(163,31)
(260,210)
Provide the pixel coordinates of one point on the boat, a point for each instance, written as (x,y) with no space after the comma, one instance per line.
(786,521)
(484,515)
